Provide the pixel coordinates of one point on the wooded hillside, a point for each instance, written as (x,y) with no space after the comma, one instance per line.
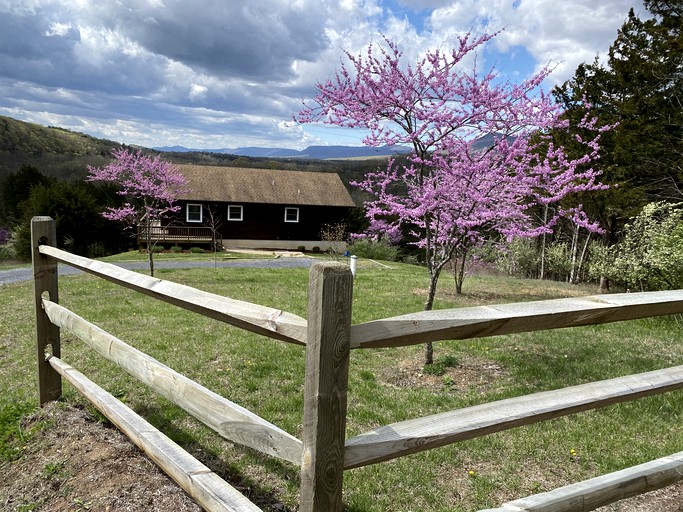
(64,154)
(54,151)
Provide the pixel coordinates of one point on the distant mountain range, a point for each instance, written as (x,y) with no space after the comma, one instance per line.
(316,152)
(311,152)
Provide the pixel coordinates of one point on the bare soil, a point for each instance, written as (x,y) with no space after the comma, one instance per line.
(470,374)
(80,463)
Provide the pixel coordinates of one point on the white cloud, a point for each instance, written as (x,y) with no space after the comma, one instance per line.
(198,92)
(58,29)
(215,73)
(563,32)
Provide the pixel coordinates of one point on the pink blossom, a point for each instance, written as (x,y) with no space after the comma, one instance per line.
(149,184)
(454,193)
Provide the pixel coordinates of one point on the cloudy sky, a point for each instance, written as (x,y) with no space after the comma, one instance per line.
(231,73)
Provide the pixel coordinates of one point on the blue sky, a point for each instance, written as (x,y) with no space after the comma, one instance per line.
(228,73)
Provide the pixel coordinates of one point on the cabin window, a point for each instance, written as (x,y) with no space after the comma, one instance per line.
(235,212)
(291,215)
(193,213)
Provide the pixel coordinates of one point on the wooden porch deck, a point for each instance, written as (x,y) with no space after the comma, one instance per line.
(180,235)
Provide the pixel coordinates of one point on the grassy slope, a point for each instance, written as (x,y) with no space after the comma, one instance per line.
(385,385)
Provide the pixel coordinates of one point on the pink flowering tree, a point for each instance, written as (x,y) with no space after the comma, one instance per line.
(150,187)
(455,191)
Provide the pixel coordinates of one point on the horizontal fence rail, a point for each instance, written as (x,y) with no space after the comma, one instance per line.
(428,432)
(230,420)
(603,490)
(483,321)
(270,322)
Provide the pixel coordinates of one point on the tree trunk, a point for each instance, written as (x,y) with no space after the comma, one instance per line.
(604,284)
(582,258)
(151,260)
(431,293)
(574,252)
(459,273)
(429,353)
(541,274)
(150,253)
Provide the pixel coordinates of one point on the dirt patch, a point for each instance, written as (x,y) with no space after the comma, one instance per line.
(669,499)
(468,374)
(78,463)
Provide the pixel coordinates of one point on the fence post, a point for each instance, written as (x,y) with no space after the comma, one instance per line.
(327,374)
(44,232)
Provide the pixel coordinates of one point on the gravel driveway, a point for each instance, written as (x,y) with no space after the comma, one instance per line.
(26,273)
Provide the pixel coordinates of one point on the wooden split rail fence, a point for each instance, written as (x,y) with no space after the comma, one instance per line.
(324,453)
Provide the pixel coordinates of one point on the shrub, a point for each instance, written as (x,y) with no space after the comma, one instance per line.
(650,256)
(316,249)
(601,261)
(301,248)
(176,248)
(558,261)
(157,248)
(22,244)
(519,258)
(7,251)
(334,234)
(96,250)
(374,249)
(196,250)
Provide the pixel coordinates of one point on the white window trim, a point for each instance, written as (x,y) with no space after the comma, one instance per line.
(289,208)
(235,219)
(187,213)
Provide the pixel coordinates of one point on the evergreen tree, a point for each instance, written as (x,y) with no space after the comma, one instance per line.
(16,188)
(76,209)
(641,88)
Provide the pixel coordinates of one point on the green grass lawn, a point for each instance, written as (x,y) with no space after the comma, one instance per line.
(185,256)
(386,385)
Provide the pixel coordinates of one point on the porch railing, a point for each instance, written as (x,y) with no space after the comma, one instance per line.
(179,235)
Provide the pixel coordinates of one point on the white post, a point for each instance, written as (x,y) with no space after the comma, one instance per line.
(354,261)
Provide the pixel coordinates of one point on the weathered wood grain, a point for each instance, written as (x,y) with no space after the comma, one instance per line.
(207,488)
(325,394)
(481,321)
(270,322)
(230,420)
(602,490)
(416,435)
(44,231)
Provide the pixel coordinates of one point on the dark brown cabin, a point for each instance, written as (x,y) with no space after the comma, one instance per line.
(258,208)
